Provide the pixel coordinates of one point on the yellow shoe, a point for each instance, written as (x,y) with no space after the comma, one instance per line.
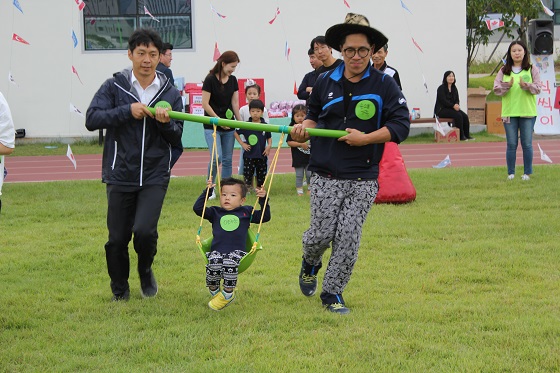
(219,301)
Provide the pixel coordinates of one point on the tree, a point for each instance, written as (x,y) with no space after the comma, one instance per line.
(477,13)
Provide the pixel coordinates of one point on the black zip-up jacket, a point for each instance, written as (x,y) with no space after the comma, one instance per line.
(136,152)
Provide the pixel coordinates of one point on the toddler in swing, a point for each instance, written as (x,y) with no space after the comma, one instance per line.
(230,224)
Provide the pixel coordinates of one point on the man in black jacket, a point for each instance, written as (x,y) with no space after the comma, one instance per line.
(136,158)
(308,81)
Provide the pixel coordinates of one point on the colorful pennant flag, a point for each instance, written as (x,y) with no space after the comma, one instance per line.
(81,4)
(494,23)
(417,46)
(346,3)
(217,53)
(446,162)
(146,11)
(295,88)
(405,7)
(547,10)
(70,156)
(74,39)
(217,13)
(18,38)
(275,15)
(287,51)
(74,109)
(16,4)
(76,72)
(544,157)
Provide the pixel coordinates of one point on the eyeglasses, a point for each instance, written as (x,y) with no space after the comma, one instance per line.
(322,47)
(351,52)
(168,55)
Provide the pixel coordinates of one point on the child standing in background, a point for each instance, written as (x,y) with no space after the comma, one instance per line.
(256,146)
(252,92)
(300,150)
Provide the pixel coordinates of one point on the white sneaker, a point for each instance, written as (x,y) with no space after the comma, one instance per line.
(213,196)
(525,177)
(510,177)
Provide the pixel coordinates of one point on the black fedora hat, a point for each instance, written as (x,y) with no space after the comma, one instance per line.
(354,24)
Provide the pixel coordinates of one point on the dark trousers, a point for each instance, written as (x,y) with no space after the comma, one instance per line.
(131,210)
(250,165)
(460,120)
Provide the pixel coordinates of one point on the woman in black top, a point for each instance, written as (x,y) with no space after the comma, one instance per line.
(220,98)
(447,105)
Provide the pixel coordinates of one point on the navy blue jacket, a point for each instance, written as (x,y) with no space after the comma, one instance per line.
(136,152)
(387,107)
(227,240)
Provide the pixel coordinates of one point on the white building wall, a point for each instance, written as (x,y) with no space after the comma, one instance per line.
(46,85)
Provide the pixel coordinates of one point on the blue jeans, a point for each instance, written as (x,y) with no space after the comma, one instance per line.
(523,126)
(224,144)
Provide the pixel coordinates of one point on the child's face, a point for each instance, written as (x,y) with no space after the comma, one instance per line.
(252,94)
(256,114)
(299,116)
(230,197)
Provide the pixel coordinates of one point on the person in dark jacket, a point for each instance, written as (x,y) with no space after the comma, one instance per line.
(370,107)
(378,61)
(136,158)
(306,85)
(447,105)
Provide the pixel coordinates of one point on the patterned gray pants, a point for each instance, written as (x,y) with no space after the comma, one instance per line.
(224,266)
(338,211)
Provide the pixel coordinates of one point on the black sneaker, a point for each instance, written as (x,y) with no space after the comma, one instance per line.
(148,284)
(334,303)
(308,278)
(123,297)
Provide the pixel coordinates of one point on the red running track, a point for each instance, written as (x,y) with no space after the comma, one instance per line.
(464,154)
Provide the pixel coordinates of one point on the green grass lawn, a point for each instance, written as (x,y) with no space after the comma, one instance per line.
(464,279)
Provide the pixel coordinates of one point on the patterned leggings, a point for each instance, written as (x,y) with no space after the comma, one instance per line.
(338,211)
(250,166)
(223,266)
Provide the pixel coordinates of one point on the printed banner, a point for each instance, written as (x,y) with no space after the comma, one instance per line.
(548,101)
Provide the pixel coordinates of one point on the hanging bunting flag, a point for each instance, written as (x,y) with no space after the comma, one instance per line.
(16,4)
(287,51)
(494,23)
(346,3)
(18,38)
(74,39)
(446,162)
(295,88)
(217,13)
(81,5)
(11,79)
(70,156)
(76,72)
(217,53)
(544,157)
(417,46)
(547,10)
(405,7)
(74,109)
(275,15)
(146,11)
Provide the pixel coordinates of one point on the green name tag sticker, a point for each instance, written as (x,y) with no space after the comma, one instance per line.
(229,223)
(526,78)
(163,104)
(253,140)
(229,114)
(365,110)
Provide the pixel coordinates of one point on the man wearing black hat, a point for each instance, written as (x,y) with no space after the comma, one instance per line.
(360,100)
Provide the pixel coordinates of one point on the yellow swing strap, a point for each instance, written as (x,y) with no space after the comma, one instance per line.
(271,174)
(212,158)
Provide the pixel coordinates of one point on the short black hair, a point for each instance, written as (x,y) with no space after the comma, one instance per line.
(310,52)
(144,36)
(318,40)
(256,104)
(234,181)
(166,47)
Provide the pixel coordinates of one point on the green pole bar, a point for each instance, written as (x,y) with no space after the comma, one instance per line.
(249,125)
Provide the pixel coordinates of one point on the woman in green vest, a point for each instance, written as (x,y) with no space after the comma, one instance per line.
(518,82)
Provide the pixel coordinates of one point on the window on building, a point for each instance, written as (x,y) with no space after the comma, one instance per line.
(109,23)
